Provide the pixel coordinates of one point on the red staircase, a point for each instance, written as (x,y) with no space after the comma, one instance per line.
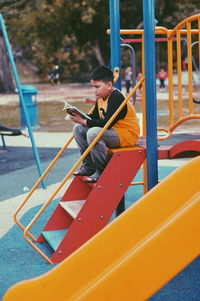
(86,208)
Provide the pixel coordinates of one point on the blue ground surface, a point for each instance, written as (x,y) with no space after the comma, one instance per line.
(18,261)
(18,168)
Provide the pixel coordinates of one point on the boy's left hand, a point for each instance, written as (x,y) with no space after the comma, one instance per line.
(78,119)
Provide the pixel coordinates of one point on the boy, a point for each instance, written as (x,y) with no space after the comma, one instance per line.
(123,131)
(162,75)
(128,77)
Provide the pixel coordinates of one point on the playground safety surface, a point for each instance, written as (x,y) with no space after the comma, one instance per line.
(18,174)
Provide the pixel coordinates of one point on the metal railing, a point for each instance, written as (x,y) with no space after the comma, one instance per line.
(175,118)
(27,235)
(178,112)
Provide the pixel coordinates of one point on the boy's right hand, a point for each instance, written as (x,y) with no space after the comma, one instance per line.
(78,119)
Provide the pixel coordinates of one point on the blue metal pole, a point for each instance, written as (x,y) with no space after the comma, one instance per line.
(115,37)
(12,62)
(150,83)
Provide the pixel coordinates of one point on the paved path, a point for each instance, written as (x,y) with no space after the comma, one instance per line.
(47,92)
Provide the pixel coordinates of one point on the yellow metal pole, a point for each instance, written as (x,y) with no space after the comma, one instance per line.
(189,51)
(170,81)
(144,170)
(199,40)
(179,71)
(37,184)
(159,30)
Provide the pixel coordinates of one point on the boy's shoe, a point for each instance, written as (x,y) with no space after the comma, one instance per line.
(83,171)
(92,179)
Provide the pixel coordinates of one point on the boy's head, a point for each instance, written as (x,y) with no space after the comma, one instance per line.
(103,74)
(102,80)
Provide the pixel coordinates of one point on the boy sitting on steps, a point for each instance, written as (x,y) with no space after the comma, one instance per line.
(123,131)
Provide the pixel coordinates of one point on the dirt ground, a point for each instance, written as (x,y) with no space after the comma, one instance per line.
(49,105)
(48,92)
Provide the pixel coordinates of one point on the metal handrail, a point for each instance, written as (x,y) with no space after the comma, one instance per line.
(175,125)
(116,76)
(26,231)
(172,125)
(177,32)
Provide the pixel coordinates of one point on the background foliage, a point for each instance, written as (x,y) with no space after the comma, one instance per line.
(73,33)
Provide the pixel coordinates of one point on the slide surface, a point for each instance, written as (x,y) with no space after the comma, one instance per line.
(136,254)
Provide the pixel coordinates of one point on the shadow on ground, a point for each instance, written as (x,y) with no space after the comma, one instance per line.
(18,172)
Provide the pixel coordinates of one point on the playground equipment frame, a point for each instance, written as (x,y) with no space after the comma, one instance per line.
(150,78)
(27,234)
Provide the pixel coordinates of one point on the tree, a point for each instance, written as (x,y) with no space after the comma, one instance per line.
(6,80)
(73,33)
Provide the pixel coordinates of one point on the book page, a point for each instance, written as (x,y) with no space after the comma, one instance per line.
(74,110)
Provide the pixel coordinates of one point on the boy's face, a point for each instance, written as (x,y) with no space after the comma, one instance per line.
(101,89)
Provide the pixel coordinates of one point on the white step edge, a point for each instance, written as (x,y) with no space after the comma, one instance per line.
(72,207)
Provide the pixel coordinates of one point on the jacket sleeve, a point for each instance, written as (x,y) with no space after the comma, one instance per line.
(115,100)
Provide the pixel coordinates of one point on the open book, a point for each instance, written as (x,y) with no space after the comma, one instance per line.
(74,110)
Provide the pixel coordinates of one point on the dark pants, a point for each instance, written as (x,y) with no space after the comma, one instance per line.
(128,85)
(162,83)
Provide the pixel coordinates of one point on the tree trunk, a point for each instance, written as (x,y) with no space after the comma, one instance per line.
(98,55)
(6,79)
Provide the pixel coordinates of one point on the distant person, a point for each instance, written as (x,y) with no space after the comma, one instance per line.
(12,132)
(128,76)
(162,75)
(138,78)
(54,75)
(123,131)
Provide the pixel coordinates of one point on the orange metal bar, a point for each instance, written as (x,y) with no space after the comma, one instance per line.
(159,30)
(170,81)
(189,51)
(182,24)
(176,124)
(180,101)
(136,183)
(143,93)
(144,170)
(199,39)
(37,184)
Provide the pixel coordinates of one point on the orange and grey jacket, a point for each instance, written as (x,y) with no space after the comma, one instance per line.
(125,124)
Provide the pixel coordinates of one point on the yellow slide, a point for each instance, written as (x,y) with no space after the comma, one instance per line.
(136,254)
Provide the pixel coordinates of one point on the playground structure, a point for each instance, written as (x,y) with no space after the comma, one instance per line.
(165,150)
(178,112)
(87,208)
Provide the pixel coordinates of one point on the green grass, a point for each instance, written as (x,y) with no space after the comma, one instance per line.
(52,118)
(163,114)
